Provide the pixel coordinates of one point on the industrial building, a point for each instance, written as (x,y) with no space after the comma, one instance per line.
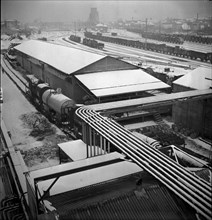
(195,114)
(93,17)
(84,76)
(10,27)
(101,27)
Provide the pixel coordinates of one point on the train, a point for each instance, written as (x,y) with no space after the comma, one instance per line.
(93,43)
(88,42)
(161,48)
(196,38)
(172,38)
(163,37)
(75,38)
(58,108)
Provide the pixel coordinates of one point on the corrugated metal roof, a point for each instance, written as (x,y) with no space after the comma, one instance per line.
(153,203)
(65,59)
(120,82)
(200,78)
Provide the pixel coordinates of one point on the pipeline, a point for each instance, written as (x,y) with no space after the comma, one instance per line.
(182,182)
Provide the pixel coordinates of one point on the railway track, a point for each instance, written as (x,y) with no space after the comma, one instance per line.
(191,189)
(155,48)
(140,55)
(19,81)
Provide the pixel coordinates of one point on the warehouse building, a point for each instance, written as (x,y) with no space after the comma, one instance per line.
(194,114)
(84,76)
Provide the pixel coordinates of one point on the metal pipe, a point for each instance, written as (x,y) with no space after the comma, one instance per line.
(108,147)
(170,183)
(101,143)
(160,155)
(90,140)
(94,142)
(103,130)
(87,141)
(104,145)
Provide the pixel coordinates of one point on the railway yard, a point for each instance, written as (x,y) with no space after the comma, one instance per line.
(129,129)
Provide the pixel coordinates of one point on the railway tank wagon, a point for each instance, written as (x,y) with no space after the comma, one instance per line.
(58,107)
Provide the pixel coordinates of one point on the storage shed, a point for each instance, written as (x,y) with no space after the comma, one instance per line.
(195,114)
(83,76)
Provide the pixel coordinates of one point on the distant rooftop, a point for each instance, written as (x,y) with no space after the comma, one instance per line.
(65,59)
(200,78)
(172,71)
(11,20)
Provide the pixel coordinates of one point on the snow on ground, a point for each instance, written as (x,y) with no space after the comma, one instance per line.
(53,35)
(195,144)
(50,35)
(31,133)
(5,42)
(198,147)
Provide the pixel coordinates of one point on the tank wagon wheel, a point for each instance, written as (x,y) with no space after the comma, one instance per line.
(28,94)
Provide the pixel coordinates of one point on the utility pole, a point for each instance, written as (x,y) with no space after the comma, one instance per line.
(146,22)
(146,35)
(160,27)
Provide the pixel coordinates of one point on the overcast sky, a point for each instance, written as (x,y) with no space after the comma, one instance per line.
(69,11)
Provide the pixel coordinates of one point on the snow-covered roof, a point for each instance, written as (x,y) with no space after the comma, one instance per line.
(101,25)
(200,78)
(85,178)
(120,82)
(173,71)
(65,59)
(77,150)
(12,20)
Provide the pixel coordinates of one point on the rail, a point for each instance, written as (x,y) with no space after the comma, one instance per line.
(10,72)
(182,182)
